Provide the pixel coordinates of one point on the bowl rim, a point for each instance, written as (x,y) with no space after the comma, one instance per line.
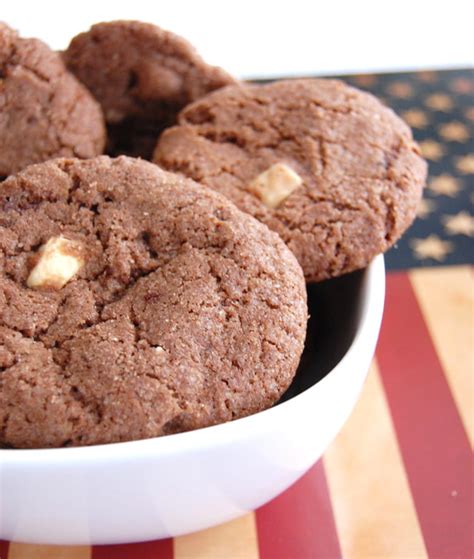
(224,433)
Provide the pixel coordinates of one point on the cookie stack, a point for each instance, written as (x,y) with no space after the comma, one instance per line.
(143,298)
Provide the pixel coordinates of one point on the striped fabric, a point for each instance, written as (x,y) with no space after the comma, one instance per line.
(397,481)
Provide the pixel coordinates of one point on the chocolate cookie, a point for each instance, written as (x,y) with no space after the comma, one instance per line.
(332,170)
(135,303)
(142,76)
(44,111)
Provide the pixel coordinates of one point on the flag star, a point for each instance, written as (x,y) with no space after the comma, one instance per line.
(470,113)
(365,80)
(466,164)
(425,207)
(432,247)
(439,102)
(431,150)
(454,131)
(403,90)
(415,118)
(444,185)
(427,76)
(459,224)
(462,85)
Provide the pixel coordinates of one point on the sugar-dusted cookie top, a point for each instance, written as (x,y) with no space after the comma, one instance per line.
(142,76)
(332,170)
(136,303)
(44,111)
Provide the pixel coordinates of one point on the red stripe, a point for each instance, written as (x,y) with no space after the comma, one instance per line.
(157,549)
(300,522)
(432,439)
(4,545)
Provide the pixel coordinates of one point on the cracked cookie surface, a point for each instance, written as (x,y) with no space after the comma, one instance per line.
(142,76)
(44,111)
(361,172)
(185,312)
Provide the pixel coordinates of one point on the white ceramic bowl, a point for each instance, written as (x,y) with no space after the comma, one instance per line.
(177,484)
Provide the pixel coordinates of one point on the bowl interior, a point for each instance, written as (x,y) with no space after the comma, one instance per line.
(334,308)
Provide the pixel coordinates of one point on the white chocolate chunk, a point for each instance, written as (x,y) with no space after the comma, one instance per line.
(275,184)
(59,261)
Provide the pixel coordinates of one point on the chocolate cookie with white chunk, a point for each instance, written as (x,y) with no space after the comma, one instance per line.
(44,111)
(142,76)
(332,170)
(136,303)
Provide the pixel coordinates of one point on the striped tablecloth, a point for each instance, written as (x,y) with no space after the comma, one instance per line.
(397,482)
